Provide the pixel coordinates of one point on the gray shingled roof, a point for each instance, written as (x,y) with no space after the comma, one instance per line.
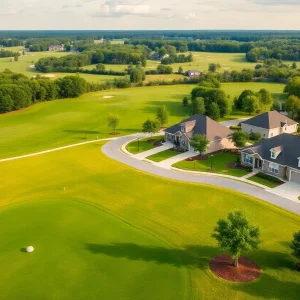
(290,145)
(202,125)
(270,120)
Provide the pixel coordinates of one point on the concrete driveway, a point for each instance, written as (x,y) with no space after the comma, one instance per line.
(167,163)
(233,122)
(288,190)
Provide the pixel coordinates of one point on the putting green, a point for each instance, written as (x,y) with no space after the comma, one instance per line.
(82,253)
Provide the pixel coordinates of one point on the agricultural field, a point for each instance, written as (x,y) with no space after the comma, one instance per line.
(101,229)
(62,122)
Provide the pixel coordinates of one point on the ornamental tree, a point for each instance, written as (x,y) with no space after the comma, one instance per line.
(240,138)
(237,235)
(162,115)
(199,142)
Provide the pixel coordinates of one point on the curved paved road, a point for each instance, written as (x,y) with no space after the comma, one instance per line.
(112,150)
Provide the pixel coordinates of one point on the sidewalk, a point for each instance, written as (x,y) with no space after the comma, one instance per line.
(143,155)
(167,164)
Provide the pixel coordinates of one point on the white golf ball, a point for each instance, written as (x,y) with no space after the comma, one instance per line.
(29,249)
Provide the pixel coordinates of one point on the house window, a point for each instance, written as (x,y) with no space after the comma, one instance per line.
(247,159)
(169,137)
(273,168)
(273,154)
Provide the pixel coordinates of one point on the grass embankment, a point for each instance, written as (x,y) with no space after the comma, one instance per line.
(143,145)
(84,253)
(218,161)
(161,156)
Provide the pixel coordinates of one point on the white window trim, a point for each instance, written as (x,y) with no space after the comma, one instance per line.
(273,167)
(273,154)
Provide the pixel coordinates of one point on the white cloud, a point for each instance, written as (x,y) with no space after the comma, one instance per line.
(149,14)
(190,16)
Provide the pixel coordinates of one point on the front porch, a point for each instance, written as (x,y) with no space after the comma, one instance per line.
(179,140)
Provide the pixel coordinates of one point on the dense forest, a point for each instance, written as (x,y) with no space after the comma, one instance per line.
(110,54)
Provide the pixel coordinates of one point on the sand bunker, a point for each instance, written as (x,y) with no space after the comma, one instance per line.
(32,66)
(107,97)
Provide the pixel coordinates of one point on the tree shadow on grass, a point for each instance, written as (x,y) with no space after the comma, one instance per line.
(191,255)
(81,131)
(23,250)
(271,287)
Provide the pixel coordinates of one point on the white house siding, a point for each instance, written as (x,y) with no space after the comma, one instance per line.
(268,133)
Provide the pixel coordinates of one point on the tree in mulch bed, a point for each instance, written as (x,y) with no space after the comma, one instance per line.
(296,247)
(238,236)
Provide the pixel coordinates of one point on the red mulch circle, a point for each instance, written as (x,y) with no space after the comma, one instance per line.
(114,133)
(223,267)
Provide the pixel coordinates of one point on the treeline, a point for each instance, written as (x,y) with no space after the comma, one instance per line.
(109,55)
(181,58)
(8,42)
(18,91)
(198,46)
(8,53)
(43,44)
(278,49)
(237,35)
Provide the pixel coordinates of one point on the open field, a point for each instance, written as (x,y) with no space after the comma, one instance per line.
(116,232)
(62,122)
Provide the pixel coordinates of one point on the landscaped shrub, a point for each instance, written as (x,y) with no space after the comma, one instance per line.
(235,127)
(255,136)
(268,177)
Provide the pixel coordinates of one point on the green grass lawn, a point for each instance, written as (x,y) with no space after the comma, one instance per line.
(62,122)
(219,162)
(263,181)
(158,157)
(143,145)
(117,233)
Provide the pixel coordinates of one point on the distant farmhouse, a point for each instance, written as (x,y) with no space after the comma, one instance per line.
(156,56)
(278,156)
(218,135)
(193,73)
(270,124)
(56,48)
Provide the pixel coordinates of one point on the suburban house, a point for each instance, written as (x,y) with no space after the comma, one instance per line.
(218,135)
(278,156)
(270,124)
(156,56)
(56,48)
(193,73)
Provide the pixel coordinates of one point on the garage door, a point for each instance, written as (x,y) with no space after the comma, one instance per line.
(295,177)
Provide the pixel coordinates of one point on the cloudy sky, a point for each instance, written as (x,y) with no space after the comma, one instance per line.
(149,14)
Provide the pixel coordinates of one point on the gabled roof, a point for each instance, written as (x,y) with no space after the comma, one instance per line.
(288,144)
(270,120)
(200,124)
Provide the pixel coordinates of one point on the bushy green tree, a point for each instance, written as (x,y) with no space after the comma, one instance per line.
(265,99)
(113,121)
(292,106)
(162,115)
(214,67)
(151,126)
(240,138)
(200,143)
(293,87)
(237,235)
(180,70)
(198,106)
(214,111)
(239,102)
(185,101)
(251,104)
(137,75)
(71,86)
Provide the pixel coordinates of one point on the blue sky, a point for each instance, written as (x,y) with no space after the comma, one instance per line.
(149,14)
